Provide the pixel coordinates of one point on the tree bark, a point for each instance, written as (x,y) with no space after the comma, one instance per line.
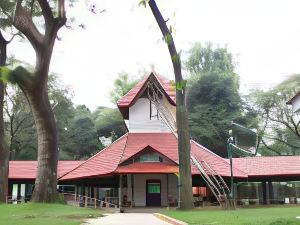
(34,87)
(184,146)
(46,180)
(4,153)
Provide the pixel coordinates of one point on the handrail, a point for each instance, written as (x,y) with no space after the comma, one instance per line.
(93,199)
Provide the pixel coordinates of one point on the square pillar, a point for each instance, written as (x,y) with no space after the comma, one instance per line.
(266,196)
(120,192)
(129,188)
(271,192)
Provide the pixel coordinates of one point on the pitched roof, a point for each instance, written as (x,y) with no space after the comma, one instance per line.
(289,102)
(149,167)
(217,163)
(269,165)
(164,143)
(104,162)
(130,98)
(28,169)
(108,161)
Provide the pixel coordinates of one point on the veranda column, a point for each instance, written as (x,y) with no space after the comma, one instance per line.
(271,192)
(75,194)
(95,197)
(120,193)
(266,199)
(86,193)
(129,188)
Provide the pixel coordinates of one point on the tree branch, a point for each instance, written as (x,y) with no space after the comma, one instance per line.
(271,149)
(47,12)
(23,22)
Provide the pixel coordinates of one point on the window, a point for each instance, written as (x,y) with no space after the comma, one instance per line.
(150,157)
(153,112)
(154,188)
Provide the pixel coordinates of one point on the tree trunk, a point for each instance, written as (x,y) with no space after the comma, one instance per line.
(4,154)
(184,146)
(46,180)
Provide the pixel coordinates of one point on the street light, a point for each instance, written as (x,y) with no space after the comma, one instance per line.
(242,142)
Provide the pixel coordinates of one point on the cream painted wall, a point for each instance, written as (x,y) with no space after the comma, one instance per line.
(140,187)
(296,104)
(139,118)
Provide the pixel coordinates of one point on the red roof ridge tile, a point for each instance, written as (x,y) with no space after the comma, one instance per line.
(101,152)
(142,83)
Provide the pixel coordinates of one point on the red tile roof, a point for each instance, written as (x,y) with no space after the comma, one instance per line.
(147,167)
(165,143)
(28,169)
(104,162)
(217,163)
(269,166)
(107,161)
(130,98)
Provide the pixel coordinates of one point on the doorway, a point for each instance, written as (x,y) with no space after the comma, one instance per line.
(153,193)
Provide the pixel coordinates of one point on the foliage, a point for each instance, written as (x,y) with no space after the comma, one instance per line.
(213,97)
(258,216)
(109,123)
(121,86)
(82,137)
(76,129)
(206,59)
(50,214)
(279,126)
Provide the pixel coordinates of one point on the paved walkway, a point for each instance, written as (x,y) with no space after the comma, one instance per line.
(127,219)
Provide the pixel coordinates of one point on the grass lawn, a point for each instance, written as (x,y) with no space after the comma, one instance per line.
(44,214)
(253,216)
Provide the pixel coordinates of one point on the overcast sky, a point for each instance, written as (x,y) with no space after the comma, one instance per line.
(264,37)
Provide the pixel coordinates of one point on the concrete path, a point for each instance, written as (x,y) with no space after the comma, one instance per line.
(127,219)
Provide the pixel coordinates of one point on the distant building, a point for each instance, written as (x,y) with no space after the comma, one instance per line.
(295,102)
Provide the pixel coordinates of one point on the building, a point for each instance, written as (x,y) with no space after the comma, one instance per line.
(295,102)
(141,167)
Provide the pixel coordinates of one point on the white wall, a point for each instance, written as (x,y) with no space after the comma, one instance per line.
(296,104)
(140,187)
(139,118)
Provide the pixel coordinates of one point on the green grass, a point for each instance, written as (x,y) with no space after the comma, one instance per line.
(254,216)
(44,214)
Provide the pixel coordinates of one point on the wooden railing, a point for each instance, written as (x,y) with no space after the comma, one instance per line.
(85,201)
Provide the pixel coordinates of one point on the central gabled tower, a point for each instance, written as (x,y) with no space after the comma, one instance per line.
(140,108)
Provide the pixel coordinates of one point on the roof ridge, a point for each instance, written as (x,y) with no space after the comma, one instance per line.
(105,149)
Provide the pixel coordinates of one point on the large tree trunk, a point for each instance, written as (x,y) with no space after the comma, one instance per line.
(4,153)
(35,89)
(184,146)
(46,180)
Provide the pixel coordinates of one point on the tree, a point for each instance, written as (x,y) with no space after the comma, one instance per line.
(20,126)
(121,86)
(280,126)
(184,147)
(213,97)
(20,15)
(82,137)
(109,123)
(4,155)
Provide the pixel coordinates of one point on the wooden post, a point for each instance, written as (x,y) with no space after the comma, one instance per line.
(75,196)
(86,196)
(120,192)
(95,196)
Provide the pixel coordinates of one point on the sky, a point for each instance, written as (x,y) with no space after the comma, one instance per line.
(263,36)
